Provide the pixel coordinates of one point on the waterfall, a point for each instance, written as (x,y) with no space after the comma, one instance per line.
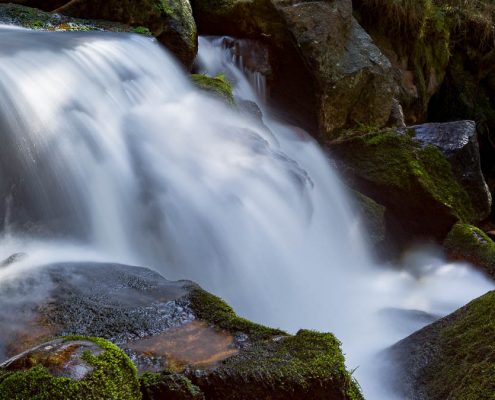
(109,152)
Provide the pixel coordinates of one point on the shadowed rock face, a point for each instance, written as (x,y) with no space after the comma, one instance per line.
(329,71)
(190,343)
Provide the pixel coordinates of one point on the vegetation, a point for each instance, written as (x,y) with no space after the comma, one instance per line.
(214,310)
(467,242)
(464,367)
(219,86)
(114,377)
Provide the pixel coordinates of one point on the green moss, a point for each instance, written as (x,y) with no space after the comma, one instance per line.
(218,86)
(142,30)
(464,368)
(293,364)
(395,161)
(467,242)
(213,309)
(169,385)
(114,377)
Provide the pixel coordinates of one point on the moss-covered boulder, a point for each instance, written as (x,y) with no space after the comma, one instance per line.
(270,364)
(170,21)
(454,358)
(468,243)
(70,368)
(217,86)
(414,182)
(326,68)
(186,342)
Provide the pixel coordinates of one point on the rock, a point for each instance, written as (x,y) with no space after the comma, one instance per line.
(373,216)
(217,86)
(452,358)
(469,243)
(70,368)
(414,182)
(32,18)
(170,386)
(458,141)
(326,70)
(170,21)
(416,39)
(187,342)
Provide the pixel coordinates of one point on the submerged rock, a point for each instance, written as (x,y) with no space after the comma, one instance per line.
(187,342)
(326,67)
(217,86)
(452,358)
(372,215)
(70,368)
(469,243)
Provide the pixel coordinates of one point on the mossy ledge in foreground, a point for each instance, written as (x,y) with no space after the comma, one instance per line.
(270,363)
(74,367)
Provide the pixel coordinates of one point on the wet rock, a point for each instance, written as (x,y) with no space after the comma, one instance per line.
(372,215)
(469,243)
(449,359)
(170,21)
(187,342)
(458,141)
(70,368)
(32,18)
(326,68)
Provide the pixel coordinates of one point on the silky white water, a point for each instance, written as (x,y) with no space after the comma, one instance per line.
(109,153)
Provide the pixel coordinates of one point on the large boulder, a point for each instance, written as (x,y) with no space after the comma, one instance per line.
(453,358)
(326,69)
(170,21)
(413,181)
(458,141)
(187,342)
(70,368)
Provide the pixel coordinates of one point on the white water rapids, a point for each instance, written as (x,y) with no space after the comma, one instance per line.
(108,152)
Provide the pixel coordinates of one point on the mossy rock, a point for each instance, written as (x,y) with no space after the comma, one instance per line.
(469,243)
(218,86)
(32,18)
(453,358)
(414,182)
(73,368)
(169,385)
(270,364)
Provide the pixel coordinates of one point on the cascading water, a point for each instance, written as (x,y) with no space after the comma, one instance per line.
(109,153)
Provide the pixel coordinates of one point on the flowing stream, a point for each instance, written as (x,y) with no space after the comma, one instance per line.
(110,153)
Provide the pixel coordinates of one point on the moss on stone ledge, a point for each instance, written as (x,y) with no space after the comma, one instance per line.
(114,377)
(219,86)
(414,182)
(469,243)
(214,310)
